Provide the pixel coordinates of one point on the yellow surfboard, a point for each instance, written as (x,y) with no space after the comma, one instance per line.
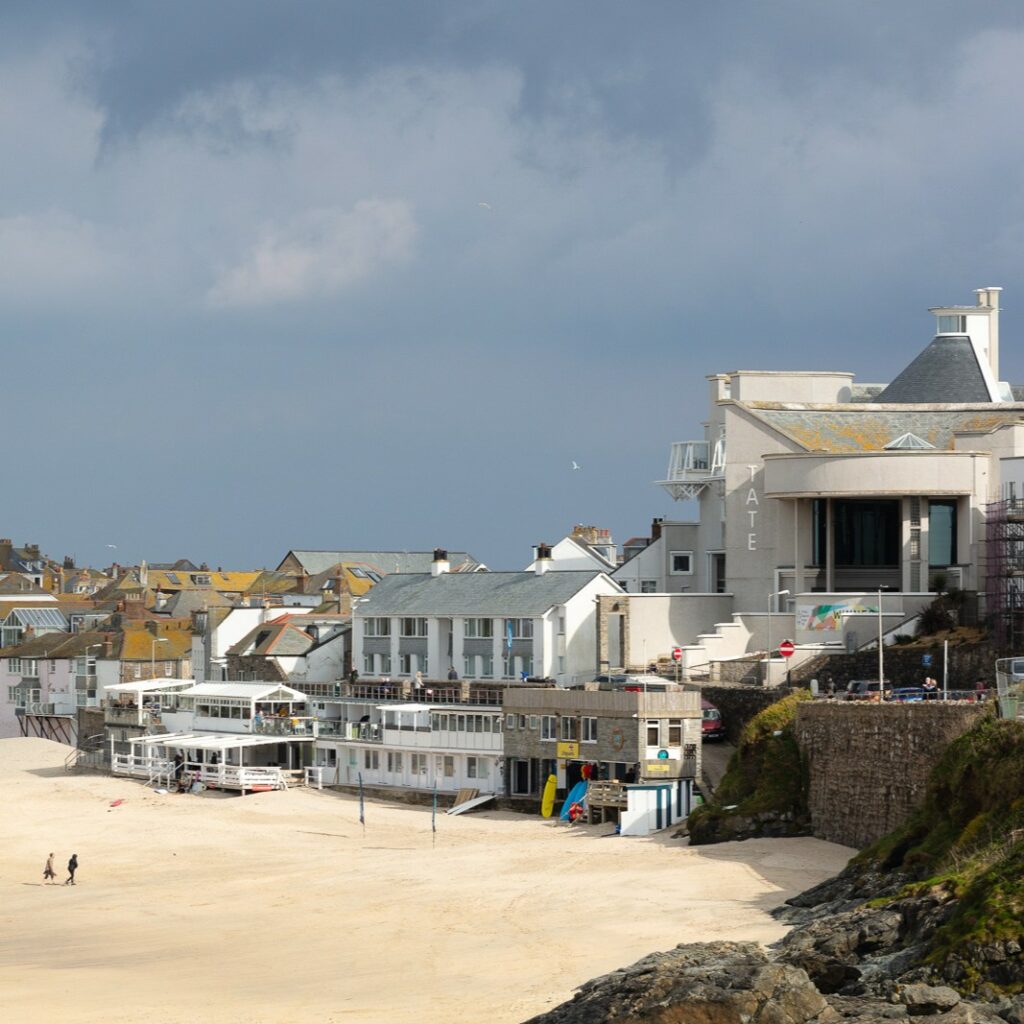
(547,803)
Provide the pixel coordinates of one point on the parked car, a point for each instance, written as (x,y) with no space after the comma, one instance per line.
(635,683)
(862,689)
(711,727)
(906,694)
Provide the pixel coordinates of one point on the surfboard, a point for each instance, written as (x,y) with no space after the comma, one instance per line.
(547,803)
(578,794)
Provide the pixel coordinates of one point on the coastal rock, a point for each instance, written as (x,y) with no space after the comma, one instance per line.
(830,949)
(926,999)
(714,983)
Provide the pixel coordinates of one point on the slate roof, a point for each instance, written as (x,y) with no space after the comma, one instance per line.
(280,638)
(946,371)
(383,561)
(850,429)
(54,645)
(479,593)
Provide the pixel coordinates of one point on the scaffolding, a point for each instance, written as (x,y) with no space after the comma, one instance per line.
(1004,572)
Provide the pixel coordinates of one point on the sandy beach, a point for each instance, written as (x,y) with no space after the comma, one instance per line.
(280,907)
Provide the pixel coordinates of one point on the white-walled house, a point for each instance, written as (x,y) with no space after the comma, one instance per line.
(489,625)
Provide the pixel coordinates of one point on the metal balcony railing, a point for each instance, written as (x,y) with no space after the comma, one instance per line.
(692,466)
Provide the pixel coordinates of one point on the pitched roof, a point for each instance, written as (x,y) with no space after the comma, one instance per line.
(383,562)
(280,638)
(478,593)
(946,371)
(56,645)
(837,428)
(43,617)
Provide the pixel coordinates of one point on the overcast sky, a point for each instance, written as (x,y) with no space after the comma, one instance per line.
(371,275)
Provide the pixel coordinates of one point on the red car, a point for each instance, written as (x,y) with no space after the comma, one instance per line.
(711,727)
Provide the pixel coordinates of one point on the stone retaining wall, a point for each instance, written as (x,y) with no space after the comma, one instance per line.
(868,763)
(740,703)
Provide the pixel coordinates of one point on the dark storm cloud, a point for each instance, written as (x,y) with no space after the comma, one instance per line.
(375,273)
(642,69)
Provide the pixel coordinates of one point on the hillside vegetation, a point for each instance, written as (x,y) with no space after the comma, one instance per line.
(764,789)
(965,841)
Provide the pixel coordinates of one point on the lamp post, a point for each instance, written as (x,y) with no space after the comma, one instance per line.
(152,654)
(768,662)
(881,654)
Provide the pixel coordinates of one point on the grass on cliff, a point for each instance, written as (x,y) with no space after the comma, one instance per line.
(765,773)
(968,837)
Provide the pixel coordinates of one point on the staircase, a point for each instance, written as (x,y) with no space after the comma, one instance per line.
(91,755)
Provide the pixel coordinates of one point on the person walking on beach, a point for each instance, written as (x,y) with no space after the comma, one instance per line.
(48,873)
(72,868)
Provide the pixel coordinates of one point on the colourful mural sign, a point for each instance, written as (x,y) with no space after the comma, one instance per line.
(828,618)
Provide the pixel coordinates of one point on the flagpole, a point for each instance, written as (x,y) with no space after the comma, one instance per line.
(362,809)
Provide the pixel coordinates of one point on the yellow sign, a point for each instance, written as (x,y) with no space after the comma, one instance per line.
(567,750)
(656,768)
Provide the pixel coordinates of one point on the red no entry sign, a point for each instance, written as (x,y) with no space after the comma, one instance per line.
(786,648)
(677,654)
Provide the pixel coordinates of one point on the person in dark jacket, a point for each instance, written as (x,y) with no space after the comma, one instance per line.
(72,868)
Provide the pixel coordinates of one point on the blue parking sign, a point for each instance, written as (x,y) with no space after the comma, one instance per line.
(926,659)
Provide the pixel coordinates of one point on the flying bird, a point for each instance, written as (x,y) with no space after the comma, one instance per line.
(485,206)
(575,465)
(114,546)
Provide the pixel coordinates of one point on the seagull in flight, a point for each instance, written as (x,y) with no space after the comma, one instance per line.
(485,206)
(114,546)
(576,466)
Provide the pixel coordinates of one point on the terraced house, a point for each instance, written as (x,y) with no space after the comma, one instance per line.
(481,625)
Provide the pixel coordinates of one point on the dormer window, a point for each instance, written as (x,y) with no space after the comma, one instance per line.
(952,324)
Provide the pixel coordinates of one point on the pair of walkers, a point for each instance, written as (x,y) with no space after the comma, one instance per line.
(49,875)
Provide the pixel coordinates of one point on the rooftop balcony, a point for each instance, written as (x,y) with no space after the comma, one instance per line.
(692,466)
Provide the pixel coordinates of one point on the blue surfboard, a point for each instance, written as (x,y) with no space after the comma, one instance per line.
(578,794)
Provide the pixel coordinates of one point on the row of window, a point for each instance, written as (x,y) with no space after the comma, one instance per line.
(377,626)
(555,727)
(474,666)
(452,722)
(444,765)
(662,732)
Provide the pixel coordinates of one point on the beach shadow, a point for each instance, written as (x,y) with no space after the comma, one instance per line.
(47,773)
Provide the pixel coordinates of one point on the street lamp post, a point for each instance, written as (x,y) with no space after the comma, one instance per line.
(881,653)
(152,654)
(768,661)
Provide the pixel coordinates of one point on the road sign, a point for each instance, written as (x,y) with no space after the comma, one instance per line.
(677,654)
(786,648)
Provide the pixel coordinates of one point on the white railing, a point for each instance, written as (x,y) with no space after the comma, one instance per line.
(692,465)
(222,776)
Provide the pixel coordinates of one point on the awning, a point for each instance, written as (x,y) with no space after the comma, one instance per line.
(213,741)
(149,686)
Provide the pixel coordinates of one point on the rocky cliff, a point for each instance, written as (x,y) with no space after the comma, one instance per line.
(926,923)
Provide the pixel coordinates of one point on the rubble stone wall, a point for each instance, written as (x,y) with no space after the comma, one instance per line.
(868,764)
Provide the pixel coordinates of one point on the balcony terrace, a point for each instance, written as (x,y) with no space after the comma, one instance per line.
(692,466)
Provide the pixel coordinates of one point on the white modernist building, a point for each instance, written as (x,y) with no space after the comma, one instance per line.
(821,499)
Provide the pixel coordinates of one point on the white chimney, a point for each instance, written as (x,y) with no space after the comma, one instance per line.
(989,298)
(542,562)
(440,564)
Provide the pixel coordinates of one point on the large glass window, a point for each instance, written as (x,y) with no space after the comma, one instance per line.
(479,628)
(414,627)
(942,533)
(867,532)
(377,626)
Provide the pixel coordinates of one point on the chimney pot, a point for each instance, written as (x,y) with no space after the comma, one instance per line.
(440,565)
